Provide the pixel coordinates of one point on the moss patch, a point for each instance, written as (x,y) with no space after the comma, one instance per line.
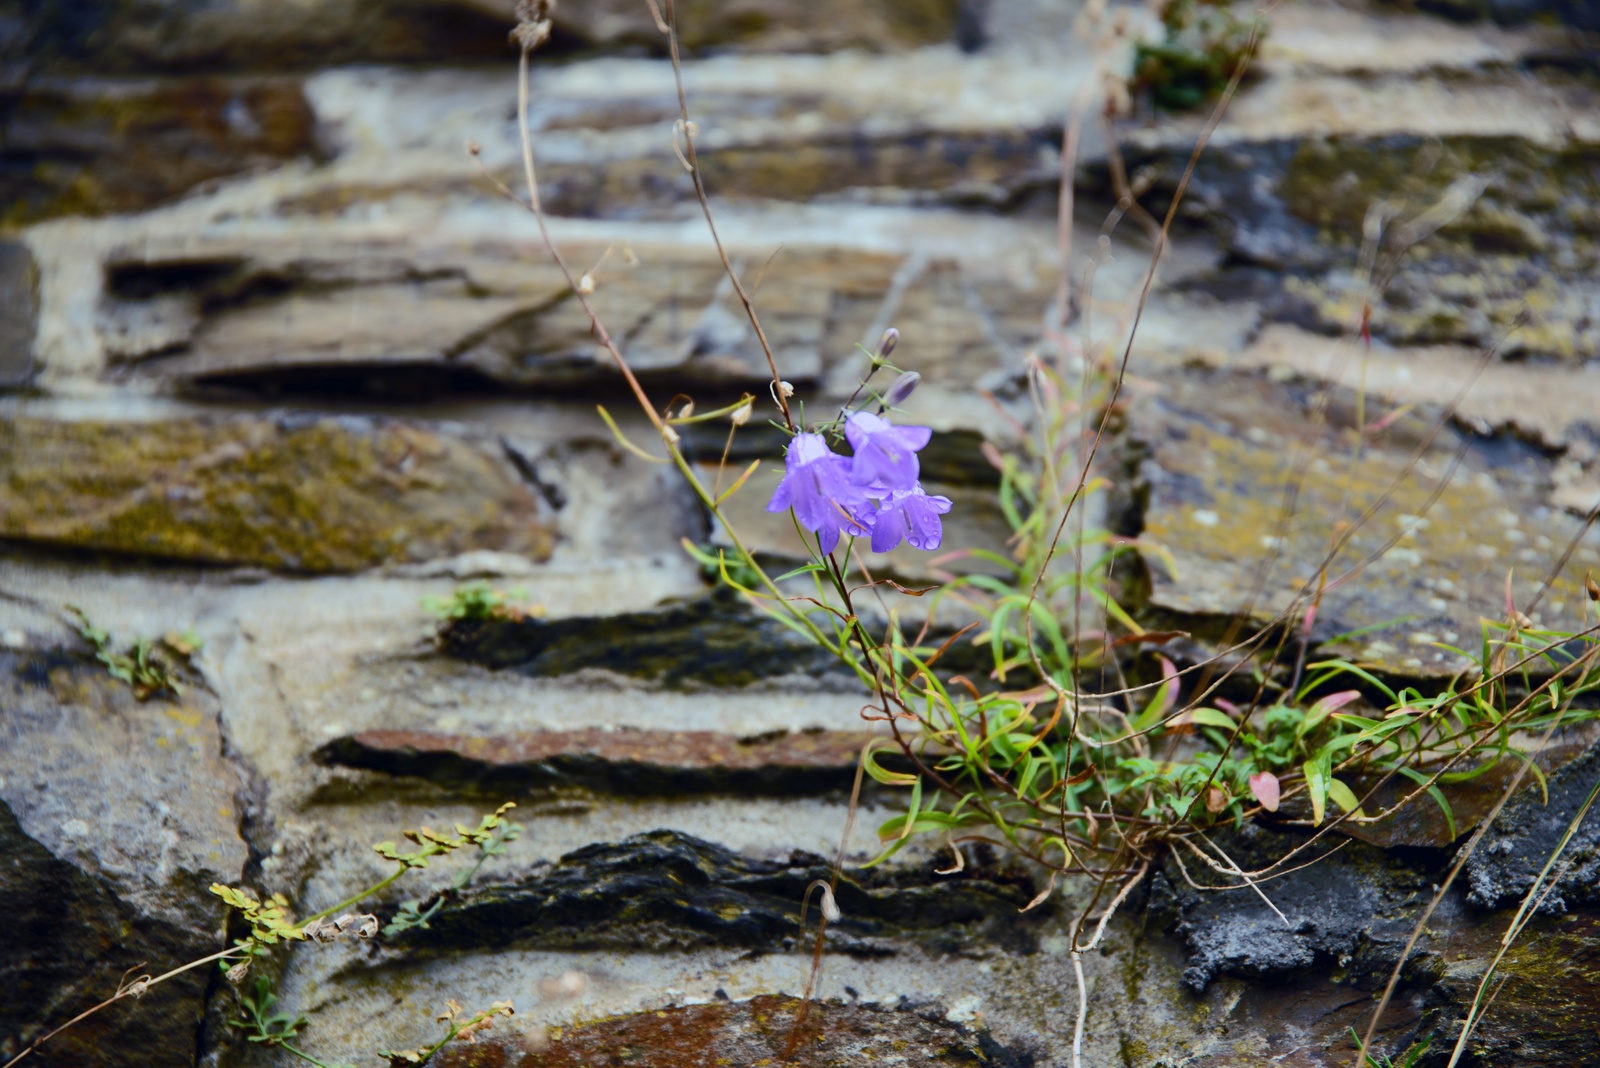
(294,493)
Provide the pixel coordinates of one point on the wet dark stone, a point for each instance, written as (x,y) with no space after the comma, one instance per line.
(635,763)
(710,641)
(115,815)
(667,890)
(1528,831)
(1353,906)
(756,1032)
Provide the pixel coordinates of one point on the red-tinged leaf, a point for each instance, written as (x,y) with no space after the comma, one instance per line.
(1264,785)
(1169,678)
(1335,701)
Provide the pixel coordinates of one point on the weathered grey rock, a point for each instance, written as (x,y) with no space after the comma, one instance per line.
(1218,456)
(668,890)
(1479,234)
(115,816)
(296,492)
(19,311)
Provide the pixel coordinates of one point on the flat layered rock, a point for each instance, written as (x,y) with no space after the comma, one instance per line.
(115,815)
(709,641)
(1489,240)
(97,147)
(667,890)
(290,492)
(669,763)
(1219,455)
(231,35)
(764,1030)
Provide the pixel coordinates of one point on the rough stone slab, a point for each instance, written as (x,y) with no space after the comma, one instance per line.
(1496,231)
(294,492)
(753,1032)
(668,890)
(642,762)
(98,147)
(1215,454)
(115,815)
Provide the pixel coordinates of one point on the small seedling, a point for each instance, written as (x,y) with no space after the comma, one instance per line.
(1408,1059)
(480,601)
(148,666)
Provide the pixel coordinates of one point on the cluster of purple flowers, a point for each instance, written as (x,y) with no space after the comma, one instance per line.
(874,492)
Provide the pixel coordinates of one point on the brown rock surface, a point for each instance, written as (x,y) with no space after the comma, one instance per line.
(616,761)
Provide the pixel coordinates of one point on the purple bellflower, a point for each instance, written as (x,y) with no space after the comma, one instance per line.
(817,484)
(885,455)
(911,516)
(874,492)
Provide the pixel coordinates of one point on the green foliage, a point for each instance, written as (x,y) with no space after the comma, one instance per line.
(261,1021)
(1070,780)
(1408,1059)
(148,666)
(1205,44)
(271,926)
(487,835)
(269,920)
(479,601)
(717,565)
(418,913)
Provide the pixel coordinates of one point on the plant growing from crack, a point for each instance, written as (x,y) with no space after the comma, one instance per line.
(1083,780)
(478,600)
(148,666)
(271,925)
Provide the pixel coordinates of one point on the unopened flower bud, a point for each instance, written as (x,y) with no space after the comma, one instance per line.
(586,284)
(741,414)
(1591,587)
(900,389)
(891,338)
(830,907)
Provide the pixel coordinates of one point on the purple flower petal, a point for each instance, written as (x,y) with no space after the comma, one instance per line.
(911,516)
(818,487)
(885,454)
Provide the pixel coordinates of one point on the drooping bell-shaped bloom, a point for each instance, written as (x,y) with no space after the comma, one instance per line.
(817,484)
(911,516)
(885,454)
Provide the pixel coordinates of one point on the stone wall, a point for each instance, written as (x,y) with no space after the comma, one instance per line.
(278,364)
